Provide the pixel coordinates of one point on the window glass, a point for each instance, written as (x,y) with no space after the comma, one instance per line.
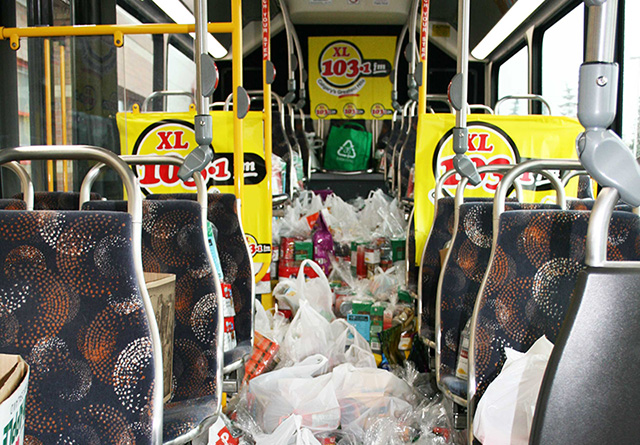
(513,79)
(562,55)
(631,88)
(181,76)
(135,65)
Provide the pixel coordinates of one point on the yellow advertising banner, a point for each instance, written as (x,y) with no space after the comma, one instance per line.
(172,133)
(349,77)
(492,140)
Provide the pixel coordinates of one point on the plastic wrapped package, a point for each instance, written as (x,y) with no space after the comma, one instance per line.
(303,389)
(323,249)
(391,431)
(505,412)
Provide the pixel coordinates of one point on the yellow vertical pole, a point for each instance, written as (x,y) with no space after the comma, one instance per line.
(47,107)
(63,116)
(267,300)
(424,42)
(238,124)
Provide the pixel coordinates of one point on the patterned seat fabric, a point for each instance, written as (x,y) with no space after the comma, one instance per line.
(234,257)
(585,190)
(538,257)
(71,307)
(173,242)
(441,233)
(58,200)
(12,204)
(412,278)
(463,274)
(408,156)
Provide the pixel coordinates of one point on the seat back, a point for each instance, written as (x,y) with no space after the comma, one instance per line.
(12,204)
(604,390)
(58,200)
(462,274)
(173,242)
(72,308)
(538,256)
(235,259)
(441,233)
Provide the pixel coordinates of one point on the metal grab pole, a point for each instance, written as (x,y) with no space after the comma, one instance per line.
(238,123)
(603,154)
(458,89)
(206,81)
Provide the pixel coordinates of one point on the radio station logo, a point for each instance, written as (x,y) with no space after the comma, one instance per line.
(178,138)
(350,110)
(323,111)
(378,111)
(343,69)
(487,145)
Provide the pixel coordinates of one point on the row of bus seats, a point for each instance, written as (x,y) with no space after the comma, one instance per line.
(507,271)
(76,306)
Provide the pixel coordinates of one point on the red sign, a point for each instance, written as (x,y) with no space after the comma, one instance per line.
(425,30)
(266,29)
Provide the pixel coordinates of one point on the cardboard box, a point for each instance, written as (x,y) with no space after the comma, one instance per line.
(14,383)
(162,291)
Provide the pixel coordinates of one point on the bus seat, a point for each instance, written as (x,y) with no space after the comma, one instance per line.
(58,200)
(462,274)
(585,191)
(594,364)
(173,242)
(234,256)
(12,204)
(539,255)
(73,310)
(441,232)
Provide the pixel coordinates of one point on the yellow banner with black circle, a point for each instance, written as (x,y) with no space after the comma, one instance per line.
(172,133)
(492,140)
(349,77)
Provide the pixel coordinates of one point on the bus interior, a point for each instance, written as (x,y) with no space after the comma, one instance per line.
(350,222)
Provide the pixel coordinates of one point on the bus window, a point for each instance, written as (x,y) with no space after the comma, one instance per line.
(135,65)
(562,55)
(631,90)
(180,77)
(513,79)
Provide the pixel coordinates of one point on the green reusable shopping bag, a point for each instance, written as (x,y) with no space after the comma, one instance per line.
(348,148)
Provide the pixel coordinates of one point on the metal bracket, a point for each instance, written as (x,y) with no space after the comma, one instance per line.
(611,163)
(195,161)
(598,94)
(242,103)
(271,72)
(455,92)
(210,77)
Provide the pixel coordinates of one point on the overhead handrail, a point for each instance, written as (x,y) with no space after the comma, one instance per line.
(527,97)
(481,107)
(86,152)
(443,98)
(25,182)
(164,93)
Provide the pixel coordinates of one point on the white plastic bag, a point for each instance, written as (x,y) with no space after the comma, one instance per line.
(272,326)
(288,430)
(505,411)
(349,346)
(316,291)
(308,334)
(301,390)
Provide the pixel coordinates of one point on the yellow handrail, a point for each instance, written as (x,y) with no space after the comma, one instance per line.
(47,108)
(63,116)
(424,42)
(117,31)
(238,124)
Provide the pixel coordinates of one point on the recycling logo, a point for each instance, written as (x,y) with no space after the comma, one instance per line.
(347,150)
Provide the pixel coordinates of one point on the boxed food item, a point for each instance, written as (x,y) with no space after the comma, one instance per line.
(14,383)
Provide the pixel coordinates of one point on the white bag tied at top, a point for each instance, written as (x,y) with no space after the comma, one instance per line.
(505,412)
